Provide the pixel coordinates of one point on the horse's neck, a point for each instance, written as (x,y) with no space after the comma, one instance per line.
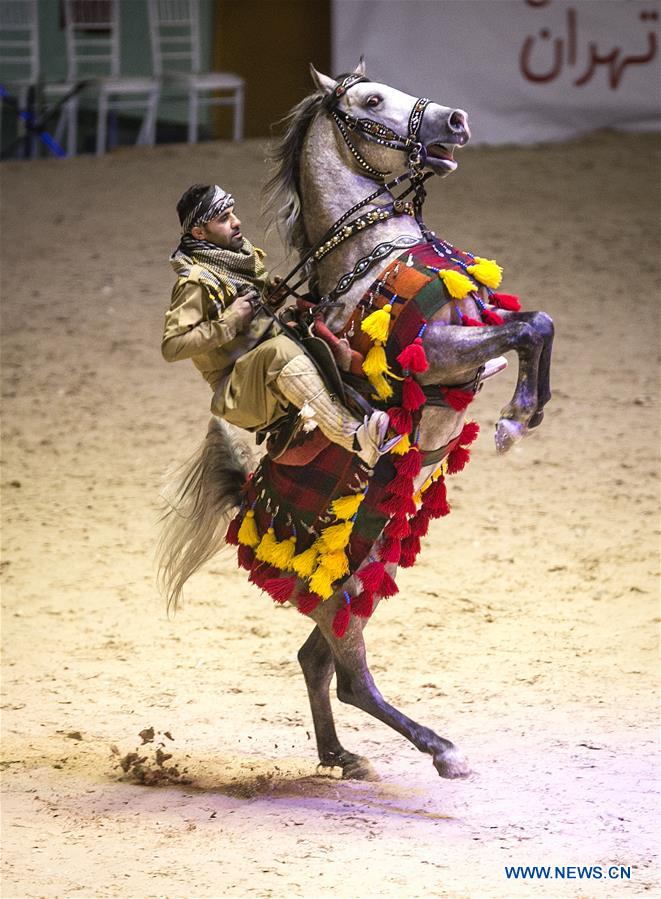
(329,187)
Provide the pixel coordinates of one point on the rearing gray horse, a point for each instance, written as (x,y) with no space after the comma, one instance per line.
(415,326)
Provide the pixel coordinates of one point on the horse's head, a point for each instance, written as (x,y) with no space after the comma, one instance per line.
(379,124)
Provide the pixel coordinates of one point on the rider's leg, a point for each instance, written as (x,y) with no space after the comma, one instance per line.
(301,384)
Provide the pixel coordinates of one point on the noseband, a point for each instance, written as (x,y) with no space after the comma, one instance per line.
(377,132)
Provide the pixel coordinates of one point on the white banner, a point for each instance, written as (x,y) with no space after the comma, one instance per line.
(524,70)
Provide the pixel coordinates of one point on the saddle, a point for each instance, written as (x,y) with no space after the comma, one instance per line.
(287,441)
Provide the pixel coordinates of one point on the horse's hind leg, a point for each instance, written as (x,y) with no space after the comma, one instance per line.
(316,660)
(356,686)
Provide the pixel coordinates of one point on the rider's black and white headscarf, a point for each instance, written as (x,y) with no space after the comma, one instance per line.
(214,202)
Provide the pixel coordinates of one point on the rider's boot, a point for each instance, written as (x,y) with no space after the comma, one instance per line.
(301,384)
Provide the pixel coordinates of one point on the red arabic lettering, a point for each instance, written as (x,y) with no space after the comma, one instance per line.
(566,50)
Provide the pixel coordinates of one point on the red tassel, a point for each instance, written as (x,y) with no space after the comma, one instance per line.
(412,394)
(388,586)
(413,357)
(391,551)
(469,433)
(457,399)
(402,485)
(410,464)
(245,556)
(363,604)
(341,620)
(280,588)
(507,301)
(435,499)
(232,535)
(398,505)
(457,459)
(260,574)
(410,550)
(420,523)
(401,419)
(397,527)
(371,576)
(307,602)
(471,322)
(492,317)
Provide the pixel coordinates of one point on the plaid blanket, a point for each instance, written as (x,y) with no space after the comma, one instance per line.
(295,500)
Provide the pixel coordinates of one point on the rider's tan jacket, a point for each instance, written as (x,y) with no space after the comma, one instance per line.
(206,329)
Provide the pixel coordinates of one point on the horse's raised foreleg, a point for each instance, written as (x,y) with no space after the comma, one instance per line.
(316,660)
(455,352)
(356,686)
(543,324)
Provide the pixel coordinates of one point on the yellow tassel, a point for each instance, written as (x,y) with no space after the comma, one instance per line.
(335,537)
(377,324)
(283,553)
(345,507)
(458,285)
(303,564)
(321,583)
(402,448)
(248,534)
(376,363)
(383,390)
(335,563)
(487,271)
(267,548)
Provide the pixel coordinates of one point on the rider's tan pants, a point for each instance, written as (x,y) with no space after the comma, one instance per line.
(249,398)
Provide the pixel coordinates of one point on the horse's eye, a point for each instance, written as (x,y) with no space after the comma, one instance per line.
(373,100)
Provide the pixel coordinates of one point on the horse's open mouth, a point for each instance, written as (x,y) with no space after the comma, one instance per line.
(442,156)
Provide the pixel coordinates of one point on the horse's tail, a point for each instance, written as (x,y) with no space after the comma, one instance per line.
(201,496)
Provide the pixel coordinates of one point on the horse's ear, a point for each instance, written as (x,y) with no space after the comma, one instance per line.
(360,68)
(322,82)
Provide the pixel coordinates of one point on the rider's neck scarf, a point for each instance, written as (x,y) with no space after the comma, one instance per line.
(237,268)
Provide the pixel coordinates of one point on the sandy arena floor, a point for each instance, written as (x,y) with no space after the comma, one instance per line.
(527,633)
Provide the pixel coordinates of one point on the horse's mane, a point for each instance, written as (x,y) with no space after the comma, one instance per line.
(283,203)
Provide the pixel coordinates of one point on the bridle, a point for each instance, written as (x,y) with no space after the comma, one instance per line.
(344,228)
(377,131)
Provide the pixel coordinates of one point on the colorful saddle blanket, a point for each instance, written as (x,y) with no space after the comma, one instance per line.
(310,528)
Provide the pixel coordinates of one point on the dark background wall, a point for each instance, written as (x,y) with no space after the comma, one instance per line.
(270,43)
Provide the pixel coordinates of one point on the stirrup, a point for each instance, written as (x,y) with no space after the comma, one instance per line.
(369,438)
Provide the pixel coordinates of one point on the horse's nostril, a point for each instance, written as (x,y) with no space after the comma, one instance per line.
(457,120)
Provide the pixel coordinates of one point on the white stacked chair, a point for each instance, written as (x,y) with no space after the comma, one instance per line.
(175,40)
(92,31)
(19,48)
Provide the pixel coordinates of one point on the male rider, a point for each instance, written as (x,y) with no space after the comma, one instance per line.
(214,319)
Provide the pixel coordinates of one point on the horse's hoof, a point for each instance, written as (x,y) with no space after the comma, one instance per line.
(451,764)
(508,432)
(536,420)
(356,767)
